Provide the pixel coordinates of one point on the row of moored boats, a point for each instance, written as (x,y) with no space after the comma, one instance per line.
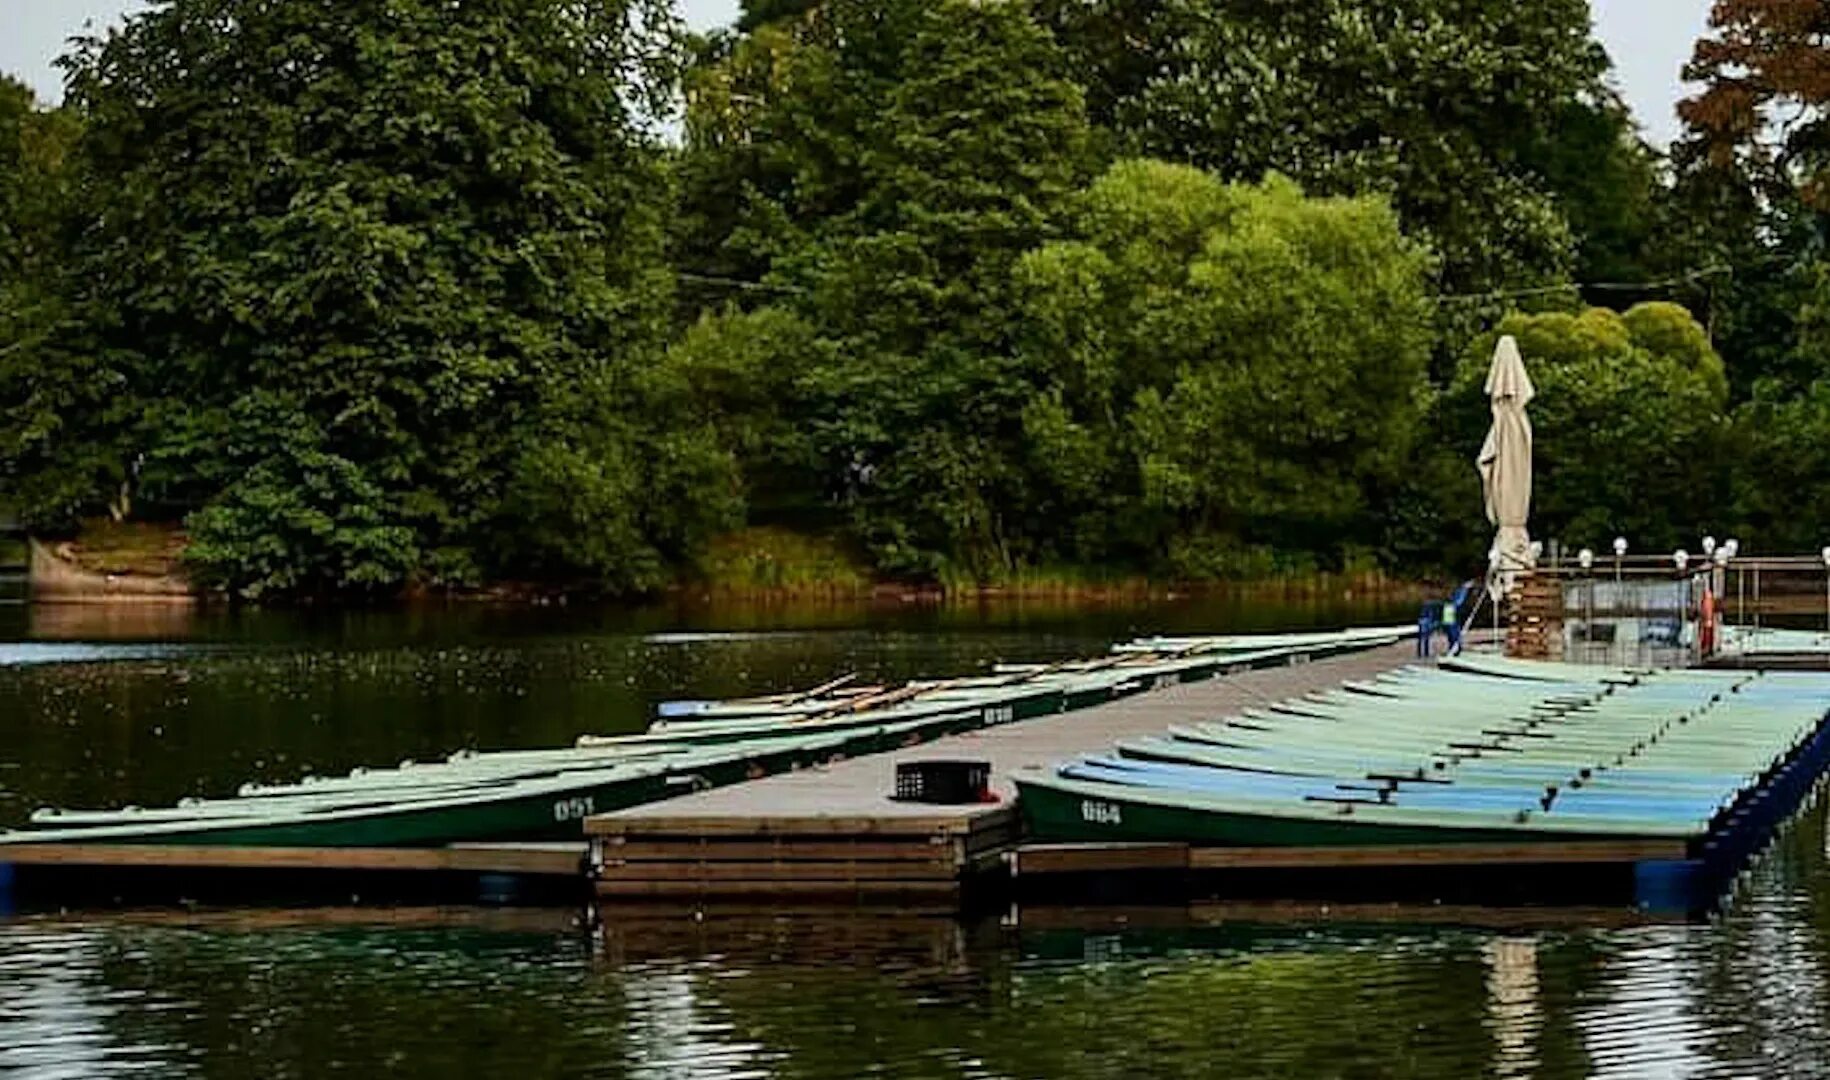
(545,794)
(1476,749)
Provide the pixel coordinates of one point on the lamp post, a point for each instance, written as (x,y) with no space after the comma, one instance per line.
(1586,559)
(1733,547)
(1826,554)
(1718,585)
(1681,559)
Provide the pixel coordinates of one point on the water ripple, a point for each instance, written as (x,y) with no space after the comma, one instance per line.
(23,654)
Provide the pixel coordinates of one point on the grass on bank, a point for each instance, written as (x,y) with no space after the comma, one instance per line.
(775,560)
(769,559)
(766,561)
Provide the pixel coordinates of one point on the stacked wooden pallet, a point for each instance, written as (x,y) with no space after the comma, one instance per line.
(1534,618)
(933,854)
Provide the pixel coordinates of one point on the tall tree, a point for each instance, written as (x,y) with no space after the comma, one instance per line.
(1223,375)
(386,283)
(47,393)
(1765,104)
(1630,416)
(1752,182)
(1607,184)
(757,13)
(34,143)
(1432,102)
(893,161)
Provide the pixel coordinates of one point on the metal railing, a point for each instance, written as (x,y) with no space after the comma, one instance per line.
(1650,611)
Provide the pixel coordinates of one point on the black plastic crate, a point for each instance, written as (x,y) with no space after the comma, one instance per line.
(944,782)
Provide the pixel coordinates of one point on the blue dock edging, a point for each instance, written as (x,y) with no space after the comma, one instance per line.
(1695,885)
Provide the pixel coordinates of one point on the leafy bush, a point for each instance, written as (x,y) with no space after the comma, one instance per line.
(1629,423)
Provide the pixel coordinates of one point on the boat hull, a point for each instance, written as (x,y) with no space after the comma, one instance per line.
(555,813)
(1060,812)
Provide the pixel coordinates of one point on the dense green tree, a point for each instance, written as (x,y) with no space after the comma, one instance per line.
(379,293)
(1222,375)
(1780,446)
(1606,182)
(1780,469)
(1629,421)
(756,13)
(747,371)
(783,125)
(1750,193)
(1435,103)
(34,143)
(38,465)
(892,161)
(384,284)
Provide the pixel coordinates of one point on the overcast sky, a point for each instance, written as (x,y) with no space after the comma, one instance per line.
(1649,40)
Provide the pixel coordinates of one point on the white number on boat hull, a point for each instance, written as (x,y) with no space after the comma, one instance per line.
(1000,714)
(574,809)
(1100,813)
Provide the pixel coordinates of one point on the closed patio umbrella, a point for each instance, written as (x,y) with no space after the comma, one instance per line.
(1505,462)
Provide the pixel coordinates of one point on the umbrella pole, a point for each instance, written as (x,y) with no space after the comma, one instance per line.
(1499,642)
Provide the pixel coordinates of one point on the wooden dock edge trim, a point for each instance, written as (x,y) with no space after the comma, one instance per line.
(829,871)
(638,915)
(1534,854)
(817,846)
(784,850)
(494,860)
(686,890)
(1103,858)
(659,826)
(1097,858)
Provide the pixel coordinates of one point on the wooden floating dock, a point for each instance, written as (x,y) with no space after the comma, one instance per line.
(889,857)
(830,839)
(924,856)
(125,875)
(833,833)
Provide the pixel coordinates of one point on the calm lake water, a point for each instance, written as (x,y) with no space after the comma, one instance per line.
(146,707)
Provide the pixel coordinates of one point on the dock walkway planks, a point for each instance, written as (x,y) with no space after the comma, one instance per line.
(835,830)
(860,788)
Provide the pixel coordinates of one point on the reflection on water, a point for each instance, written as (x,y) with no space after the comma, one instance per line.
(1214,991)
(1512,1002)
(662,995)
(19,653)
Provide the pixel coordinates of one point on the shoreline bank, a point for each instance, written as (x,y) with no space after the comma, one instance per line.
(140,565)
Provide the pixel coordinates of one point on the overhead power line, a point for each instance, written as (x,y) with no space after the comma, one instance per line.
(1718,270)
(737,283)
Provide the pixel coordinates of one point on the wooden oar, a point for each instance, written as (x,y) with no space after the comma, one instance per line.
(823,689)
